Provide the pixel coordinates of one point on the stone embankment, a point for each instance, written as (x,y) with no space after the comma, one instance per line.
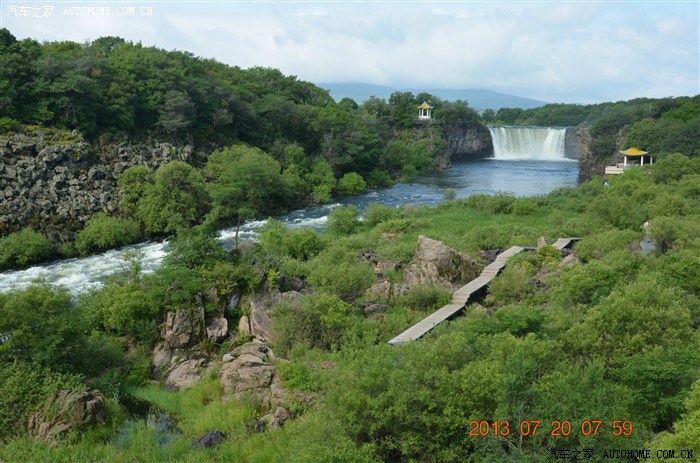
(55,181)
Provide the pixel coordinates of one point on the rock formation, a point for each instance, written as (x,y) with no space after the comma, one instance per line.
(465,142)
(435,263)
(54,181)
(67,411)
(247,374)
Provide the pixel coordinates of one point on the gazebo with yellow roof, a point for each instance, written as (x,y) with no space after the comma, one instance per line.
(630,157)
(424,111)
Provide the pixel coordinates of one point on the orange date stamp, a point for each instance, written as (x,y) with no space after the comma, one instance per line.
(557,428)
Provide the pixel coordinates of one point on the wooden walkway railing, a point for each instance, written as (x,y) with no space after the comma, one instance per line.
(462,295)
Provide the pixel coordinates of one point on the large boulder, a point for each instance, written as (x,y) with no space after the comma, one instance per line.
(379,291)
(247,373)
(217,330)
(260,320)
(67,411)
(435,263)
(184,374)
(183,329)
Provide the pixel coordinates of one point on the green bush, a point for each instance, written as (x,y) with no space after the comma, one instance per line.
(39,325)
(343,220)
(673,167)
(424,298)
(23,248)
(133,183)
(278,241)
(598,245)
(315,321)
(303,244)
(340,273)
(176,199)
(500,203)
(103,232)
(25,387)
(351,184)
(377,213)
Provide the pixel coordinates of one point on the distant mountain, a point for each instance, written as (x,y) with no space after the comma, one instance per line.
(477,98)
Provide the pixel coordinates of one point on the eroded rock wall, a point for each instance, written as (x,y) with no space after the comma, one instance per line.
(467,142)
(55,181)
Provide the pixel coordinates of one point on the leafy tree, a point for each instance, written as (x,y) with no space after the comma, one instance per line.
(133,183)
(244,177)
(351,184)
(343,219)
(39,325)
(177,199)
(176,112)
(673,167)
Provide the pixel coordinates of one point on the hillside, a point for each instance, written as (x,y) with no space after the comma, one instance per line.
(479,99)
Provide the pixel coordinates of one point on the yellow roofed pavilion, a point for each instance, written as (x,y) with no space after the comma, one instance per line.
(634,151)
(636,158)
(424,111)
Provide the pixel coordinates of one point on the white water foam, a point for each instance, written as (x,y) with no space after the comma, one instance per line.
(529,143)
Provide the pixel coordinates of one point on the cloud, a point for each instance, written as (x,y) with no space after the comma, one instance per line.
(564,51)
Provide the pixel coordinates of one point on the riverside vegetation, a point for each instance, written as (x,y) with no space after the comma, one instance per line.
(612,335)
(96,97)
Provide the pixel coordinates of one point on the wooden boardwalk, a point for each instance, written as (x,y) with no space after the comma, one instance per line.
(462,295)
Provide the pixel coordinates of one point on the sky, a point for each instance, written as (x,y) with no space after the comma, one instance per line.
(555,51)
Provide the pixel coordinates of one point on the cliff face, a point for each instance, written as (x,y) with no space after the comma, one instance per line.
(55,181)
(592,161)
(587,167)
(466,142)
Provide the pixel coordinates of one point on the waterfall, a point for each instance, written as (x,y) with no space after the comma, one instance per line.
(531,143)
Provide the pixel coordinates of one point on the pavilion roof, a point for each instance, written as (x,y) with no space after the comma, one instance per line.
(634,151)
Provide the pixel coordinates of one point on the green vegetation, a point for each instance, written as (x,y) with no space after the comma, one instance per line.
(103,232)
(23,248)
(612,335)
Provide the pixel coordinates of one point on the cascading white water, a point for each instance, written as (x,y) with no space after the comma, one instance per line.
(531,143)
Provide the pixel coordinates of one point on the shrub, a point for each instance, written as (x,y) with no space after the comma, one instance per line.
(425,298)
(23,248)
(377,213)
(500,203)
(303,244)
(103,232)
(317,320)
(24,387)
(673,167)
(337,272)
(133,183)
(176,199)
(343,220)
(351,184)
(600,244)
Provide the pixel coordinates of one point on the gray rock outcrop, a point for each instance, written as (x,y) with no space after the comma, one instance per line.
(464,142)
(54,181)
(435,263)
(67,411)
(247,374)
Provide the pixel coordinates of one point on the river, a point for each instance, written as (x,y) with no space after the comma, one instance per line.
(526,177)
